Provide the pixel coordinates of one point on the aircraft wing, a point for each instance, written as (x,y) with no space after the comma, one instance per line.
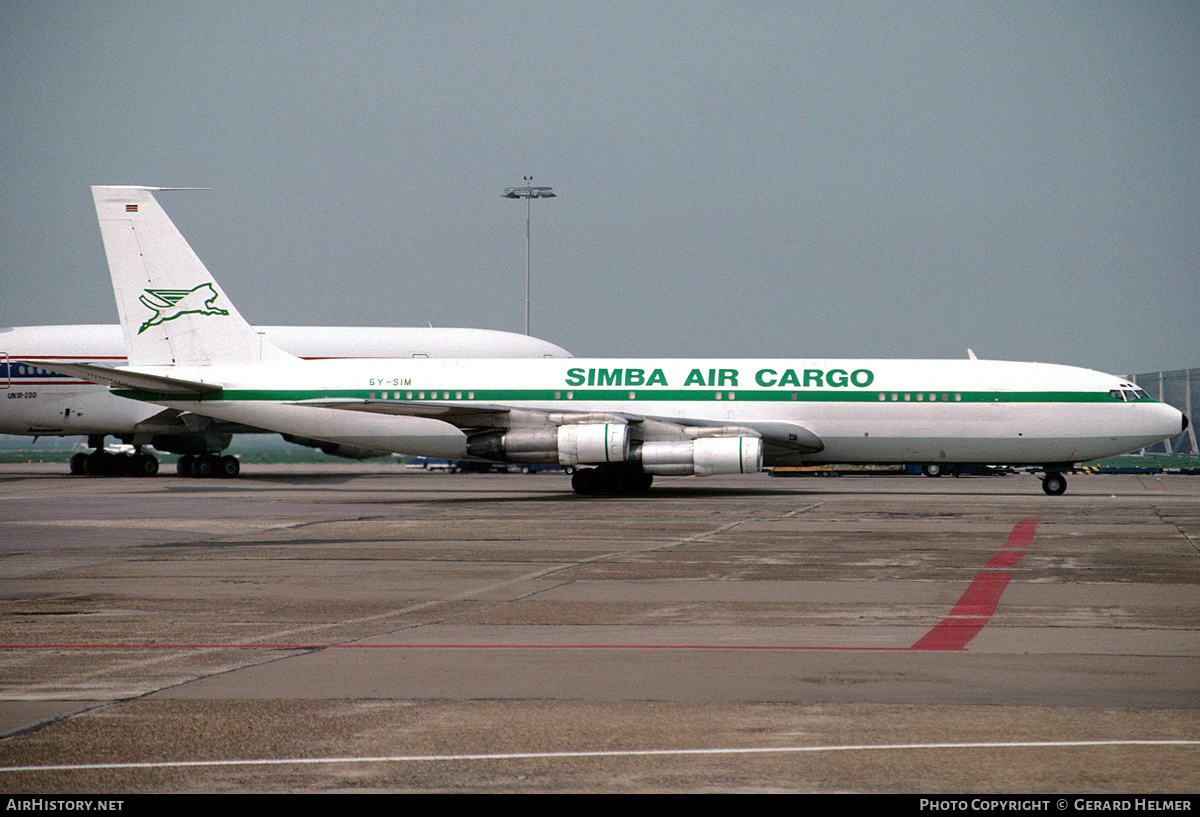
(478,416)
(120,378)
(789,437)
(174,421)
(474,416)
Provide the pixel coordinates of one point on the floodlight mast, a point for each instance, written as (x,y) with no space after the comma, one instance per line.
(529,194)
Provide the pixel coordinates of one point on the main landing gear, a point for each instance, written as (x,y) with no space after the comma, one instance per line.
(101,463)
(208,465)
(611,480)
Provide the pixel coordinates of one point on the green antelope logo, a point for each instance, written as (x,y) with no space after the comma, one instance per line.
(169,304)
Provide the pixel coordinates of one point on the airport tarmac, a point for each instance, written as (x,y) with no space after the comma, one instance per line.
(364,627)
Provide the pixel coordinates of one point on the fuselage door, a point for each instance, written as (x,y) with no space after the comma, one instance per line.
(5,376)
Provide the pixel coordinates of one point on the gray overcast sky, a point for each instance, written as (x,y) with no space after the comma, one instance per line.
(814,179)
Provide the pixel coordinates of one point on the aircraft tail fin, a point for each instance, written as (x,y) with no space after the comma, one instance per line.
(172,310)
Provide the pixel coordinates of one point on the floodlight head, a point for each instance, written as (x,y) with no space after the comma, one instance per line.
(529,193)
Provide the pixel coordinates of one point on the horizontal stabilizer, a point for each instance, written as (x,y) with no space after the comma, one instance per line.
(122,379)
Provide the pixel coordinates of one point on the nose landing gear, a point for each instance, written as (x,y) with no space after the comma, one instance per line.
(1054,483)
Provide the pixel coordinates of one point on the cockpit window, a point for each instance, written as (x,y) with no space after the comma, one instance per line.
(1115,394)
(1141,394)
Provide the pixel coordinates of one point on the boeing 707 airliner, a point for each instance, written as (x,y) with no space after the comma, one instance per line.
(619,422)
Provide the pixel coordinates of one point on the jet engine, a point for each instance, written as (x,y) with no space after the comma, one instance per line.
(703,457)
(586,443)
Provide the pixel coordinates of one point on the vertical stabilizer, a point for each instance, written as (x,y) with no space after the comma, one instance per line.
(172,311)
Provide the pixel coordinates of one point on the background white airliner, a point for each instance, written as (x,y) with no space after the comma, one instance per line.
(189,350)
(36,401)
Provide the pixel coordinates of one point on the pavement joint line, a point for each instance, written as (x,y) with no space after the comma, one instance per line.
(1158,512)
(861,747)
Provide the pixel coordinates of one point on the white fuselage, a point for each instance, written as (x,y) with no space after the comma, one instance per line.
(956,411)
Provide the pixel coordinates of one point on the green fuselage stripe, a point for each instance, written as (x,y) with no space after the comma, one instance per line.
(569,395)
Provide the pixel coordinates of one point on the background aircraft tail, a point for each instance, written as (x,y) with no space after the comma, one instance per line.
(172,310)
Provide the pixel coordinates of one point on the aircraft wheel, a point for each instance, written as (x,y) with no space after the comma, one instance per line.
(183,466)
(79,463)
(933,469)
(640,483)
(100,464)
(1054,484)
(586,482)
(228,466)
(204,467)
(143,465)
(631,483)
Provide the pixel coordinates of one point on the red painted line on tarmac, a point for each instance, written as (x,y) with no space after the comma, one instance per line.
(1022,533)
(977,605)
(1005,558)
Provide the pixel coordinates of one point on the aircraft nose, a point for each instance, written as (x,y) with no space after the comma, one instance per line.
(1170,420)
